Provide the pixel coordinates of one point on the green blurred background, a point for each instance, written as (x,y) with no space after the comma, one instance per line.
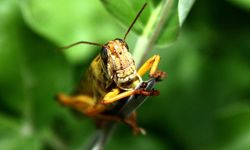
(204,102)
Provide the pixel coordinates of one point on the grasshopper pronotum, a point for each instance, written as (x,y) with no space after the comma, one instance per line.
(112,77)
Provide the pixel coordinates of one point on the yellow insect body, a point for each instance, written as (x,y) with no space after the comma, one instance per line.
(112,76)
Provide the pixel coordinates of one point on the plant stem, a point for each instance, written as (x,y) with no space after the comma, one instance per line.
(150,34)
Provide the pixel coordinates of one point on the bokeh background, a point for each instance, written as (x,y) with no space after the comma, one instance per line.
(204,102)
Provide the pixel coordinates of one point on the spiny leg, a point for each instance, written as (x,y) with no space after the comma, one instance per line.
(82,103)
(132,122)
(86,105)
(108,100)
(102,120)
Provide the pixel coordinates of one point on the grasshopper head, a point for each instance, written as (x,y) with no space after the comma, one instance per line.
(119,63)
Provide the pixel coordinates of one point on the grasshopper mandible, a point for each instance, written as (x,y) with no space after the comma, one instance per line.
(112,76)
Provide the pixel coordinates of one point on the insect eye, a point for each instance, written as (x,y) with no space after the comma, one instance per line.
(104,54)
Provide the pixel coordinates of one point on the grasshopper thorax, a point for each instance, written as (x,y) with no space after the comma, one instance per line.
(119,64)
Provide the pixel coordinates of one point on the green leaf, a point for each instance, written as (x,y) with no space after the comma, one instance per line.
(25,64)
(31,73)
(14,141)
(244,4)
(157,12)
(184,7)
(8,123)
(233,127)
(64,22)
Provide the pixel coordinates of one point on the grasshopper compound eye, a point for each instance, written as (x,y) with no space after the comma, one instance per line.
(104,54)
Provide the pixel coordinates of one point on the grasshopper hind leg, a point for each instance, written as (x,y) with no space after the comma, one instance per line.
(131,121)
(88,107)
(82,103)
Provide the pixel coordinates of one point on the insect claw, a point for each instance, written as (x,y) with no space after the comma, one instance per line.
(159,75)
(139,130)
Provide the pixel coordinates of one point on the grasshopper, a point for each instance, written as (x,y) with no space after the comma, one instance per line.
(112,76)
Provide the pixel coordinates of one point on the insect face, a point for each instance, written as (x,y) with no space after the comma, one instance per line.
(119,63)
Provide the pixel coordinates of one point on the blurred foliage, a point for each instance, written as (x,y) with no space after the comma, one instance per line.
(71,21)
(244,4)
(147,22)
(204,102)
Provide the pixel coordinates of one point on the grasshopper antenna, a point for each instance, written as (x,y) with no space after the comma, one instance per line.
(80,42)
(132,24)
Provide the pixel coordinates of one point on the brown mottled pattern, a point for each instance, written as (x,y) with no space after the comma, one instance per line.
(121,64)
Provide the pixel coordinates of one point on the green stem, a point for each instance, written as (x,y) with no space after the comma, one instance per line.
(147,40)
